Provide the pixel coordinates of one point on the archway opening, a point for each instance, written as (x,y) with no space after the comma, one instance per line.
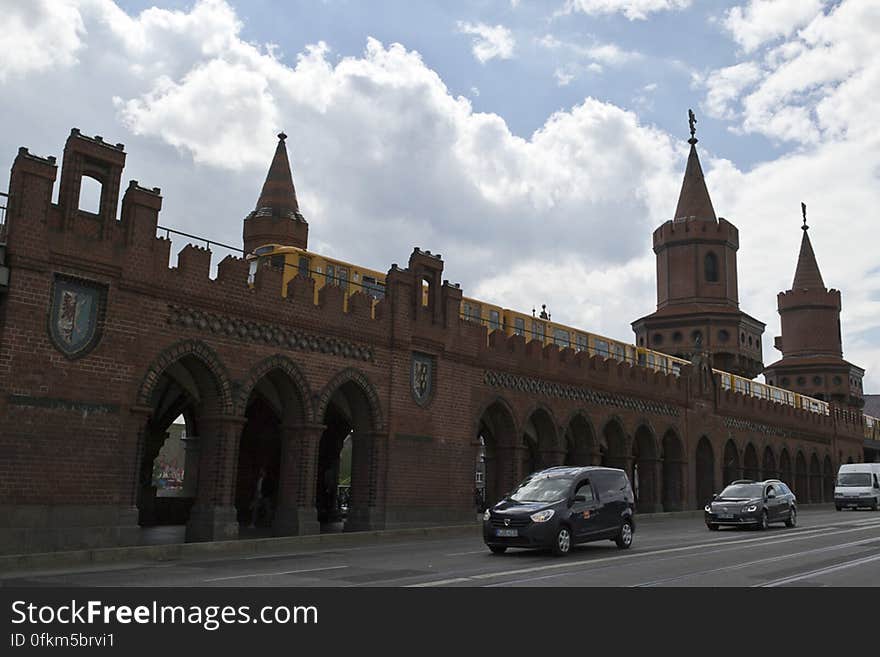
(579,442)
(750,463)
(495,437)
(731,470)
(673,472)
(346,461)
(705,471)
(815,480)
(769,464)
(643,471)
(828,479)
(785,470)
(539,443)
(614,438)
(801,480)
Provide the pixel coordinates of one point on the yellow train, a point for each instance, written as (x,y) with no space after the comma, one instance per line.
(353,278)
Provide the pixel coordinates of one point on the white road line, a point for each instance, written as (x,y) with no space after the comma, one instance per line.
(284,572)
(461,554)
(768,540)
(782,557)
(819,572)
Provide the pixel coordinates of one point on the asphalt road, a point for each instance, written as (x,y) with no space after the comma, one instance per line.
(828,548)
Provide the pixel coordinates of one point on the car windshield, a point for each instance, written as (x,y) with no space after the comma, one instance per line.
(742,491)
(542,489)
(854,479)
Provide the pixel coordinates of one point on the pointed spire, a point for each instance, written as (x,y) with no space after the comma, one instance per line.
(694,201)
(278,196)
(807,274)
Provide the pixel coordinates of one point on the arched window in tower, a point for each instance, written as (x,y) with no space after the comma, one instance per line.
(711,267)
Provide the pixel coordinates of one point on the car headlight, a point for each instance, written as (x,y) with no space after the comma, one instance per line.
(487,515)
(542,516)
(707,508)
(750,508)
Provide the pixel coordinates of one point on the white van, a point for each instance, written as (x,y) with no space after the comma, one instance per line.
(858,484)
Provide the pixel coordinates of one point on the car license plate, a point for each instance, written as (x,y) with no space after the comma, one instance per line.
(725,516)
(506,532)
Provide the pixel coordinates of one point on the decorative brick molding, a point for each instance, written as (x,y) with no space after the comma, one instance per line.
(288,367)
(270,334)
(578,393)
(93,408)
(757,427)
(175,352)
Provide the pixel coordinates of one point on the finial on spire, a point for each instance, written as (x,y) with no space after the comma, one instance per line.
(804,212)
(282,136)
(692,120)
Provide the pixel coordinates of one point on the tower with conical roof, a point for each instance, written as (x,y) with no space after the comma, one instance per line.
(276,219)
(811,345)
(697,294)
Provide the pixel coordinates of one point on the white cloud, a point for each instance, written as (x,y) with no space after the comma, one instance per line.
(563,78)
(38,35)
(579,58)
(761,21)
(489,41)
(725,85)
(632,9)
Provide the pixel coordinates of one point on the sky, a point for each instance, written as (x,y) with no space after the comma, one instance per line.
(535,145)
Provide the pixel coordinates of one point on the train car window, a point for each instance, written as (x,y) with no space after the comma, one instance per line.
(519,326)
(277,260)
(342,277)
(581,342)
(643,360)
(661,364)
(494,320)
(651,361)
(538,330)
(619,351)
(331,274)
(373,287)
(561,338)
(303,267)
(602,348)
(252,271)
(262,250)
(742,386)
(676,368)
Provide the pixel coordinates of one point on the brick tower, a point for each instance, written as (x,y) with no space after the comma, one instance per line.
(812,350)
(697,296)
(276,218)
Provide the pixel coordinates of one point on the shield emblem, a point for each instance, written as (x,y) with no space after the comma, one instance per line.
(76,314)
(422,375)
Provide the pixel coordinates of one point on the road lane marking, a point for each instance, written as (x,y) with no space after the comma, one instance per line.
(461,554)
(819,572)
(767,540)
(284,572)
(782,557)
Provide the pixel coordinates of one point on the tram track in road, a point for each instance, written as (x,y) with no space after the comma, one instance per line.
(819,572)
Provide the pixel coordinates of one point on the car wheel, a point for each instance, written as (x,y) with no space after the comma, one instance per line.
(763,524)
(625,535)
(498,549)
(792,518)
(712,526)
(562,544)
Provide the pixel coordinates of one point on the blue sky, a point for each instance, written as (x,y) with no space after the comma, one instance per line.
(535,144)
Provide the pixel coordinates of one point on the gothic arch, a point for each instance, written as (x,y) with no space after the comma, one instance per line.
(180,350)
(283,364)
(352,375)
(505,405)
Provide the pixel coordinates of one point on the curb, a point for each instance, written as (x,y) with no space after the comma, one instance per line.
(21,563)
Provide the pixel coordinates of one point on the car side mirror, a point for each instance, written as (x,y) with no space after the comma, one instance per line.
(714,496)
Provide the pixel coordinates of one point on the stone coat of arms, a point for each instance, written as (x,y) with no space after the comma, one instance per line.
(422,378)
(76,315)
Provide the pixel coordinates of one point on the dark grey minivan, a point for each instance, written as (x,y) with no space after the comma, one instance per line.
(562,506)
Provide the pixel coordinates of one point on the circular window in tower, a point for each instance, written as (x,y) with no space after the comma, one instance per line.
(677,336)
(837,380)
(723,335)
(817,380)
(801,381)
(658,338)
